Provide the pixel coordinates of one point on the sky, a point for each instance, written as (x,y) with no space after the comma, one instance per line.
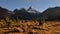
(39,5)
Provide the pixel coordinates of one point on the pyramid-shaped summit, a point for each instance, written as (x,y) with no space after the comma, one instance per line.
(32,10)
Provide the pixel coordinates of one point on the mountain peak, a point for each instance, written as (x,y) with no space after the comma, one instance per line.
(32,10)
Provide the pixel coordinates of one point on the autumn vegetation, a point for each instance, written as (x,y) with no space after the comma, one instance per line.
(22,22)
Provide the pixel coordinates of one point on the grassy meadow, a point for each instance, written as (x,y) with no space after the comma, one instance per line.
(9,26)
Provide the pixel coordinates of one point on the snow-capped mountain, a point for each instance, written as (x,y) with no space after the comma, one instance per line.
(32,10)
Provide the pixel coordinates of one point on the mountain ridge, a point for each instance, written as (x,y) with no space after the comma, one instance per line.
(49,14)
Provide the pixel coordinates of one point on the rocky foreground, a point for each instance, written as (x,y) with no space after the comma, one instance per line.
(30,27)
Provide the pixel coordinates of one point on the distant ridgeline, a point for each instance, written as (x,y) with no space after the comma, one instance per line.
(31,14)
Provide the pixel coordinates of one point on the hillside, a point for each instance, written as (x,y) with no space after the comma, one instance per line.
(31,14)
(19,13)
(51,14)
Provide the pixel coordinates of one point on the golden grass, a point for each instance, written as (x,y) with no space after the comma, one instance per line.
(29,27)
